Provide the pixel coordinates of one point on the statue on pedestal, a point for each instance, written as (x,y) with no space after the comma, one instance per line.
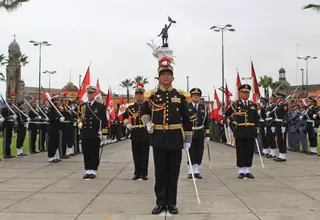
(164,32)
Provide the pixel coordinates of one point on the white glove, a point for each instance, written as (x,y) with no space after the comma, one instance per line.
(62,119)
(14,117)
(150,127)
(39,117)
(100,134)
(26,125)
(259,111)
(283,129)
(207,139)
(129,126)
(187,146)
(314,116)
(265,130)
(315,130)
(268,113)
(47,119)
(28,119)
(301,117)
(80,125)
(1,119)
(273,129)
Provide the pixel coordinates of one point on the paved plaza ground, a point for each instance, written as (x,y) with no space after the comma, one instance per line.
(33,189)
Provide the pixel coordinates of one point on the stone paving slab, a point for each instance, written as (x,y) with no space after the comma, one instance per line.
(31,188)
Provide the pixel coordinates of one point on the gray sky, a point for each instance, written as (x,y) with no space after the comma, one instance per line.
(113,35)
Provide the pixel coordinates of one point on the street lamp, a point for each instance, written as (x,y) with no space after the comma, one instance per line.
(302,77)
(222,29)
(187,83)
(50,73)
(306,58)
(40,44)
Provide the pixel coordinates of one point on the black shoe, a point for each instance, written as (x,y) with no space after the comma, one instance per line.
(158,209)
(173,209)
(135,177)
(197,176)
(269,156)
(279,159)
(34,152)
(92,176)
(86,176)
(144,178)
(8,157)
(241,175)
(250,176)
(22,155)
(53,161)
(189,176)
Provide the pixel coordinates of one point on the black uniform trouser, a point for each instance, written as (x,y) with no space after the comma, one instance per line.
(7,138)
(270,139)
(90,150)
(312,136)
(42,137)
(281,139)
(140,153)
(196,150)
(21,135)
(32,138)
(53,141)
(71,136)
(244,148)
(167,170)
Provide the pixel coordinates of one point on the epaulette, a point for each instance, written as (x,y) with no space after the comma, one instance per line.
(148,94)
(185,94)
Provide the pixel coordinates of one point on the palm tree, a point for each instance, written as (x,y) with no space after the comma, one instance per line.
(265,82)
(312,6)
(14,73)
(127,83)
(2,62)
(11,5)
(140,79)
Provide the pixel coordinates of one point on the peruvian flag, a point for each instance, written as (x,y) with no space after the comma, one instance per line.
(45,95)
(227,94)
(238,84)
(210,108)
(255,86)
(122,109)
(217,111)
(109,105)
(98,94)
(82,94)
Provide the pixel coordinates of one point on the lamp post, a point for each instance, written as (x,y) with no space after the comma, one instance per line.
(80,81)
(50,73)
(302,77)
(222,29)
(187,83)
(40,44)
(306,58)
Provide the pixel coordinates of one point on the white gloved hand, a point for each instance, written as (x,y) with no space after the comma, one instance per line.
(150,127)
(268,113)
(315,130)
(1,119)
(265,130)
(129,126)
(300,117)
(273,129)
(28,119)
(207,139)
(39,117)
(283,129)
(47,119)
(80,125)
(314,116)
(187,146)
(26,125)
(62,119)
(14,117)
(259,111)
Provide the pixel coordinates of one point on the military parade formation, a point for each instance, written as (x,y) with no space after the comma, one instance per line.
(172,122)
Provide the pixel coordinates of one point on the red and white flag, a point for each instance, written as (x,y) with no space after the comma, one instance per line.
(255,86)
(109,106)
(210,108)
(45,95)
(122,109)
(98,94)
(82,94)
(238,84)
(217,111)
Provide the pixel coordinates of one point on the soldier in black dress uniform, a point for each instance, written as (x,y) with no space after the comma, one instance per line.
(281,124)
(200,126)
(270,147)
(22,129)
(93,123)
(262,125)
(33,127)
(243,116)
(166,116)
(7,128)
(313,125)
(139,135)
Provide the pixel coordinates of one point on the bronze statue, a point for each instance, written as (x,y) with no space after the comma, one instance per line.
(164,32)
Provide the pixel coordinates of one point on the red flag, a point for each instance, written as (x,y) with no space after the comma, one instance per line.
(217,111)
(210,108)
(227,94)
(238,84)
(255,85)
(98,94)
(45,95)
(122,109)
(82,94)
(109,105)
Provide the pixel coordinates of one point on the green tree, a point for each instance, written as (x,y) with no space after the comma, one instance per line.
(313,7)
(127,83)
(11,5)
(138,79)
(2,62)
(265,82)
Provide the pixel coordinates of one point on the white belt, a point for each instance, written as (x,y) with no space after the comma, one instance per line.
(268,119)
(310,120)
(279,120)
(261,120)
(197,128)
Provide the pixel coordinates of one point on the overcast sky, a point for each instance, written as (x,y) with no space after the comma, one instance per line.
(113,35)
